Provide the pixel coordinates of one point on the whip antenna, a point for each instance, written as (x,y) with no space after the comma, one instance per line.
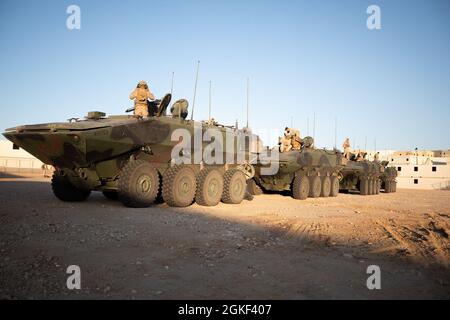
(209,116)
(248,92)
(314,127)
(335,132)
(195,90)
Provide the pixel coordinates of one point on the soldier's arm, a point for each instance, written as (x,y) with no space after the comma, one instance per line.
(150,95)
(133,95)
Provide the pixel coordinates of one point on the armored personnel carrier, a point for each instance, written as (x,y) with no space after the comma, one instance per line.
(129,157)
(367,177)
(363,176)
(307,172)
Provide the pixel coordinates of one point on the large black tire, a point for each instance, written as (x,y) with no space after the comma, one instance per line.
(64,190)
(334,186)
(179,186)
(377,186)
(387,186)
(364,186)
(209,187)
(326,187)
(234,186)
(138,184)
(371,190)
(111,195)
(253,188)
(300,188)
(315,187)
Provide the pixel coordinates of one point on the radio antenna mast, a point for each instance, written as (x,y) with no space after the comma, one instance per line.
(307,126)
(248,92)
(171,88)
(209,116)
(195,91)
(335,132)
(314,127)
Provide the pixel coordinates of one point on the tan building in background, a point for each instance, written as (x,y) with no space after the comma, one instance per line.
(17,161)
(421,169)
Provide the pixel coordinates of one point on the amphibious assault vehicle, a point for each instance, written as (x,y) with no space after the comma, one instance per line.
(363,176)
(367,177)
(130,158)
(307,172)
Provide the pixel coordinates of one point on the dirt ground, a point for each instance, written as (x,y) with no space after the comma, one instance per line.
(273,247)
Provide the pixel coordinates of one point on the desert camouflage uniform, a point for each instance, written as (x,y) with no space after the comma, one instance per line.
(346,147)
(294,135)
(140,95)
(376,157)
(285,144)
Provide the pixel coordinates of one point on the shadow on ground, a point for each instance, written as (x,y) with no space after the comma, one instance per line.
(166,253)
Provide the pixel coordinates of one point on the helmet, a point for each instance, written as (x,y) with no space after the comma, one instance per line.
(142,83)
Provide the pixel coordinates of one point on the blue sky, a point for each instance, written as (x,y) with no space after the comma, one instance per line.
(302,57)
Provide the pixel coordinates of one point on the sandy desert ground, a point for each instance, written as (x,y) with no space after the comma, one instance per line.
(273,247)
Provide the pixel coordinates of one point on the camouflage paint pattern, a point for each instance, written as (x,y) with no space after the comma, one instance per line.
(304,162)
(92,152)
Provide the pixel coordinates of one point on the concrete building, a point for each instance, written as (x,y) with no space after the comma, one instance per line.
(421,169)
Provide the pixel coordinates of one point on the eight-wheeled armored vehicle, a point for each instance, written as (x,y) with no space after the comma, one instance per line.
(367,177)
(307,172)
(130,158)
(363,176)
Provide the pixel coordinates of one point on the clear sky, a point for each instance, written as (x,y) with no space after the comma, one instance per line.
(302,57)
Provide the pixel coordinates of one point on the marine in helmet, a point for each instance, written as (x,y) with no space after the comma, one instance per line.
(376,157)
(360,156)
(294,136)
(180,109)
(346,147)
(141,95)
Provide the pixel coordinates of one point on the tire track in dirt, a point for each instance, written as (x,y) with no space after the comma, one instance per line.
(427,244)
(307,233)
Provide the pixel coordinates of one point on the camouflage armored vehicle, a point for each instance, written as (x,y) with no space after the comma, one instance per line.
(129,157)
(367,177)
(387,179)
(307,172)
(363,176)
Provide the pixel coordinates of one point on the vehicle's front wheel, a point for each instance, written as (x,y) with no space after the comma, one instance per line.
(138,184)
(300,188)
(64,190)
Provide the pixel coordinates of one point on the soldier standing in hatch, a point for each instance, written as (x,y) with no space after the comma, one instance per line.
(346,147)
(376,157)
(140,95)
(296,140)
